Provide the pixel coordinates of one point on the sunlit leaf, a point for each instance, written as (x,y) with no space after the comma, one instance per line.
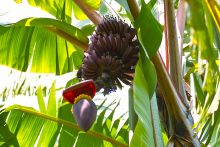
(149,30)
(52,23)
(33,46)
(68,135)
(7,137)
(88,29)
(199,91)
(52,106)
(79,14)
(92,4)
(62,10)
(40,99)
(150,35)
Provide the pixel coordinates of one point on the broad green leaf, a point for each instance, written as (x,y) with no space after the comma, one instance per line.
(79,14)
(7,137)
(106,126)
(211,78)
(29,130)
(100,119)
(55,24)
(210,24)
(139,139)
(197,19)
(92,4)
(35,127)
(13,120)
(151,3)
(122,133)
(29,127)
(47,132)
(49,128)
(62,9)
(215,137)
(202,48)
(133,118)
(150,35)
(26,127)
(215,102)
(149,30)
(149,72)
(40,99)
(71,82)
(35,47)
(68,135)
(52,106)
(13,49)
(198,90)
(53,140)
(210,129)
(156,122)
(83,139)
(88,29)
(143,134)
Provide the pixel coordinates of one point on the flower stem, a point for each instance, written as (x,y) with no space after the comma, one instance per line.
(68,38)
(133,8)
(92,14)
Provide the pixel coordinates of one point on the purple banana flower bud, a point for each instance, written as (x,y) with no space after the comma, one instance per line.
(84,109)
(85,113)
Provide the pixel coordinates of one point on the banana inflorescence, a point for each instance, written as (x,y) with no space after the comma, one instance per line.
(112,55)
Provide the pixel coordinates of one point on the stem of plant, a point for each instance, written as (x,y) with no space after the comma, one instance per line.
(171,97)
(92,14)
(166,42)
(174,54)
(181,18)
(68,38)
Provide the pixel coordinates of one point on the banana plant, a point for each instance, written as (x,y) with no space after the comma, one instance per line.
(174,84)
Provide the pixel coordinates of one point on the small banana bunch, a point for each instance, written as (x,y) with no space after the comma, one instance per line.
(112,55)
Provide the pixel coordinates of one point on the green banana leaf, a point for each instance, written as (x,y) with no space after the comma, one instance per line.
(29,45)
(54,125)
(147,131)
(62,9)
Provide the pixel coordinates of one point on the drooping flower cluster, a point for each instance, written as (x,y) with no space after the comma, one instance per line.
(112,55)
